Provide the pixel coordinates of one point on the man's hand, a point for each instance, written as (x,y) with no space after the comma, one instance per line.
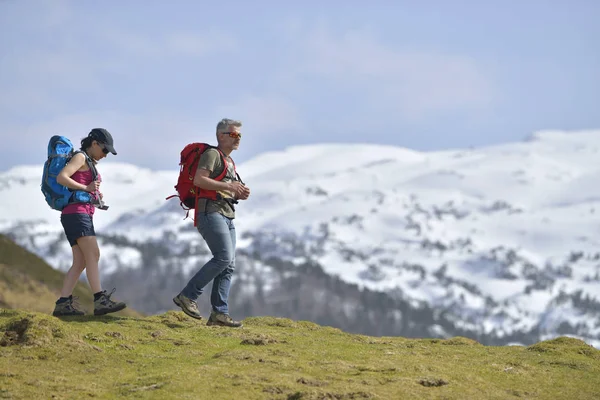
(246,193)
(238,189)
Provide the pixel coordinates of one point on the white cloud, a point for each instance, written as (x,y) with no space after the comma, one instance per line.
(263,115)
(151,140)
(41,78)
(168,44)
(50,13)
(194,44)
(25,99)
(280,93)
(416,83)
(267,121)
(63,68)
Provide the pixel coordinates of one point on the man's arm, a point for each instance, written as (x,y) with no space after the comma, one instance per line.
(203,181)
(206,165)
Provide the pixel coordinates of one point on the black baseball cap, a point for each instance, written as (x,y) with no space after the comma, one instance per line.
(103,136)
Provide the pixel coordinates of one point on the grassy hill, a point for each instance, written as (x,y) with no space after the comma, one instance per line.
(28,282)
(171,356)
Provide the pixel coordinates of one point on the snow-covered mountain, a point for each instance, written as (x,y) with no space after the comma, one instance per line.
(498,243)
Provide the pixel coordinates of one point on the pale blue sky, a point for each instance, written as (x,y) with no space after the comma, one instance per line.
(422,74)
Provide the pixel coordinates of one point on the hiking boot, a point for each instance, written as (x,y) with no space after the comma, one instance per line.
(67,308)
(104,305)
(222,319)
(187,305)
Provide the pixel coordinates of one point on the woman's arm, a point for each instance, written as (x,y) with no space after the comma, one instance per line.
(64,176)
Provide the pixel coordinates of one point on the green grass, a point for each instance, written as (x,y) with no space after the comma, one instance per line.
(171,356)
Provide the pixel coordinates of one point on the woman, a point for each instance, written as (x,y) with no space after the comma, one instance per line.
(77,221)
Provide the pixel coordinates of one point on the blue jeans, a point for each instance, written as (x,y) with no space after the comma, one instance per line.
(219,233)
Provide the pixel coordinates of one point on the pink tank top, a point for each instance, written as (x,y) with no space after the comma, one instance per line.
(85,178)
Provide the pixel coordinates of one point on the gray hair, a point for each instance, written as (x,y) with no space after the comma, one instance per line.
(225,123)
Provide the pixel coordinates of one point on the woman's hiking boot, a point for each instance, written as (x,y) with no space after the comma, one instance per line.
(67,306)
(104,305)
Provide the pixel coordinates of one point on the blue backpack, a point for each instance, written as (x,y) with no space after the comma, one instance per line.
(60,152)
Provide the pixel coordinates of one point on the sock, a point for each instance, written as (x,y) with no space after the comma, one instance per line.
(63,300)
(97,295)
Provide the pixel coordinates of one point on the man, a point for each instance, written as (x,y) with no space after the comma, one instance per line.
(215,213)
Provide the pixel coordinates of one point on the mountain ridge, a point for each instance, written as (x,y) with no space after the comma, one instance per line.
(498,238)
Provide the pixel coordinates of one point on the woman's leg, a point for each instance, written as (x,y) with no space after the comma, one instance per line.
(102,301)
(91,253)
(74,272)
(65,305)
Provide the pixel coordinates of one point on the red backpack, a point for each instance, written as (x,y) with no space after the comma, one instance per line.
(186,191)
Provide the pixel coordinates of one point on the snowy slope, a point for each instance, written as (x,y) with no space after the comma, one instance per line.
(125,187)
(504,236)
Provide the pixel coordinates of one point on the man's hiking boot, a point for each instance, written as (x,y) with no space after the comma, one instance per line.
(104,305)
(221,319)
(187,305)
(67,307)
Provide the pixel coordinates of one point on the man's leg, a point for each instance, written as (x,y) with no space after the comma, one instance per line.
(214,229)
(222,283)
(220,292)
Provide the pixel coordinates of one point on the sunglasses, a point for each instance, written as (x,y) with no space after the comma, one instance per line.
(234,135)
(104,149)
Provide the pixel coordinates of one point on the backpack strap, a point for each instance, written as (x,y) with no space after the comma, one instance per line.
(236,173)
(225,166)
(89,162)
(222,174)
(220,177)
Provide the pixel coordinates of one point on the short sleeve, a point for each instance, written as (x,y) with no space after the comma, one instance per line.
(209,160)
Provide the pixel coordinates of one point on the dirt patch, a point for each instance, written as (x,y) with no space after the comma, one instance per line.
(116,335)
(270,321)
(236,355)
(175,319)
(518,393)
(30,331)
(329,396)
(154,386)
(259,340)
(273,390)
(311,382)
(10,338)
(460,341)
(432,382)
(173,325)
(92,337)
(567,364)
(16,332)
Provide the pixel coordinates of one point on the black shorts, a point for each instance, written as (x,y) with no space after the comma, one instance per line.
(76,226)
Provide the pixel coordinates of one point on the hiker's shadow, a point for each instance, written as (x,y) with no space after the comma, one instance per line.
(107,319)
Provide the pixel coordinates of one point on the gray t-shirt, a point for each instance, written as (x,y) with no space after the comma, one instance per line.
(211,161)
